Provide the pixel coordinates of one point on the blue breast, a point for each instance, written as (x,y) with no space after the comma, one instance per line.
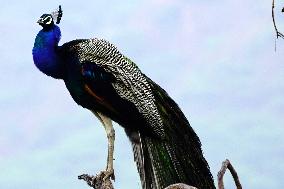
(45,52)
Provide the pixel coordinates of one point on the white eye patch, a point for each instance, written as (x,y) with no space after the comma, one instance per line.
(47,20)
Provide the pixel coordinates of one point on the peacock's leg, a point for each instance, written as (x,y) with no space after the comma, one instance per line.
(107,123)
(102,180)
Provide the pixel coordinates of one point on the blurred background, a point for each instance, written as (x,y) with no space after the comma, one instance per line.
(215,58)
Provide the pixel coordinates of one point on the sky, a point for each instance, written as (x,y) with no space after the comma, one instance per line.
(216,59)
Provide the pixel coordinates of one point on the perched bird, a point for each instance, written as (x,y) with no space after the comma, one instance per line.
(100,78)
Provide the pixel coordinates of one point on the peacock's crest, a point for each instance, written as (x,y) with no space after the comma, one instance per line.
(57,15)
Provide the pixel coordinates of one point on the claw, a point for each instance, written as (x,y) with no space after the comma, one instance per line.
(88,178)
(100,181)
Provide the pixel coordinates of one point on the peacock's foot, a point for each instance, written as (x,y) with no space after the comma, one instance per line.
(100,181)
(108,174)
(89,179)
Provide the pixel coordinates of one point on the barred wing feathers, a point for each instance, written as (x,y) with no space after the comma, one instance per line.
(130,83)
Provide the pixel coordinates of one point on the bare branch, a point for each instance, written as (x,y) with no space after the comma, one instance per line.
(278,34)
(180,186)
(226,164)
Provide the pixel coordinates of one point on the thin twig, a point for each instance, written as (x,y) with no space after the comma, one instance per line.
(226,164)
(278,34)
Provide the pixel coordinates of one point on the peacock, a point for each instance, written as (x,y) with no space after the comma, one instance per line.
(103,80)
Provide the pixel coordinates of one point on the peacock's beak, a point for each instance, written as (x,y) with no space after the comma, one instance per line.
(40,21)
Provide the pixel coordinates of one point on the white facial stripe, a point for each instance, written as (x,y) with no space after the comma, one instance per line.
(48,19)
(49,22)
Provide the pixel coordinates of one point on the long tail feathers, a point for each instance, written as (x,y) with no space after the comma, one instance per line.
(176,159)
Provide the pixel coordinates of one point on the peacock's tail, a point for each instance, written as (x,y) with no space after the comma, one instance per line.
(176,159)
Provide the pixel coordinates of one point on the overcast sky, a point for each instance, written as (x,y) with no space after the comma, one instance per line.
(215,58)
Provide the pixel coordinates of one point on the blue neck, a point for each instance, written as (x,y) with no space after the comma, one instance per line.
(45,53)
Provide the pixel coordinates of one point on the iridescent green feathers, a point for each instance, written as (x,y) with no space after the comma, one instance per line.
(179,157)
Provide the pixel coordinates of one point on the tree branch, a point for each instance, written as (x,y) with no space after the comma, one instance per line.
(180,186)
(278,34)
(226,164)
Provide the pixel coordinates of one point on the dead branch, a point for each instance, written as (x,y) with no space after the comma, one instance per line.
(226,164)
(180,186)
(278,34)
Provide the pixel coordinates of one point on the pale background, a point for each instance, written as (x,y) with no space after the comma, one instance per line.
(215,58)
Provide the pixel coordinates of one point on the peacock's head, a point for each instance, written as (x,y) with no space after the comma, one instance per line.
(47,20)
